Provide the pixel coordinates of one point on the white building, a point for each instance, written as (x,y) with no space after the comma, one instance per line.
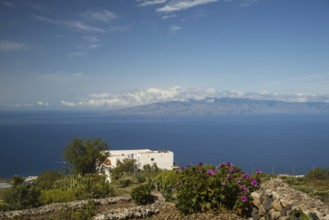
(164,159)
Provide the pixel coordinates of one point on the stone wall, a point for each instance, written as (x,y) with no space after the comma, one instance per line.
(134,212)
(54,207)
(276,200)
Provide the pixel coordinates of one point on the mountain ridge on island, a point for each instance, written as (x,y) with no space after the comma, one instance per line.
(223,106)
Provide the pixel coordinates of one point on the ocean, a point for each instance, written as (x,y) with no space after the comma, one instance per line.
(32,142)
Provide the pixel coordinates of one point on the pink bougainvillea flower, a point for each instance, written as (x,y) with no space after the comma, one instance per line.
(231,169)
(228,177)
(254,182)
(244,188)
(258,171)
(229,163)
(238,180)
(211,172)
(244,198)
(223,183)
(245,176)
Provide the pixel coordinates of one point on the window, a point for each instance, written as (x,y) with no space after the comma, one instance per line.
(152,159)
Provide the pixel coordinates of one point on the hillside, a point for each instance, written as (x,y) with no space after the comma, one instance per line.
(224,106)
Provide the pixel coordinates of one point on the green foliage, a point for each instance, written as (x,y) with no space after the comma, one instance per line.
(142,195)
(3,206)
(148,171)
(17,180)
(318,174)
(47,179)
(83,213)
(93,186)
(151,168)
(57,195)
(201,190)
(126,167)
(21,195)
(124,182)
(165,182)
(69,188)
(299,214)
(86,155)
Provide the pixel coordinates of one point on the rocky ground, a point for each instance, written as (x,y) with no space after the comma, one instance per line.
(275,200)
(117,208)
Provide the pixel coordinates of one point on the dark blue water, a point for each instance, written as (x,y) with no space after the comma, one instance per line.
(31,142)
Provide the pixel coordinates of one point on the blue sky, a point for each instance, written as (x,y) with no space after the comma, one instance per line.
(116,53)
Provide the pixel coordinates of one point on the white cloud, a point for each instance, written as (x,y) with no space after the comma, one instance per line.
(77,25)
(8,45)
(154,95)
(182,5)
(104,16)
(175,28)
(68,104)
(82,26)
(150,2)
(168,16)
(29,105)
(43,104)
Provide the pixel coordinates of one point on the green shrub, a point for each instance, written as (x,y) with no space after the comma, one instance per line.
(83,213)
(123,183)
(87,186)
(21,195)
(57,195)
(318,174)
(142,195)
(226,187)
(3,206)
(47,179)
(93,186)
(165,182)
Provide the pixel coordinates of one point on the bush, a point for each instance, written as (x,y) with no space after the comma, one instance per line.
(125,182)
(318,174)
(93,186)
(142,195)
(226,187)
(165,182)
(57,195)
(84,213)
(3,206)
(85,187)
(47,179)
(21,195)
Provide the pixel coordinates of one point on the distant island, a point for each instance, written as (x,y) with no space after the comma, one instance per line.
(223,106)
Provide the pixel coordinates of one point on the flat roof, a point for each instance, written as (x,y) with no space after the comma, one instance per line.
(135,151)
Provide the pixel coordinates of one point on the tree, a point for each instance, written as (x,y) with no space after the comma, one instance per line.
(85,156)
(125,167)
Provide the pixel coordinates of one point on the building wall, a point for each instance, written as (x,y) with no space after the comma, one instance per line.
(163,159)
